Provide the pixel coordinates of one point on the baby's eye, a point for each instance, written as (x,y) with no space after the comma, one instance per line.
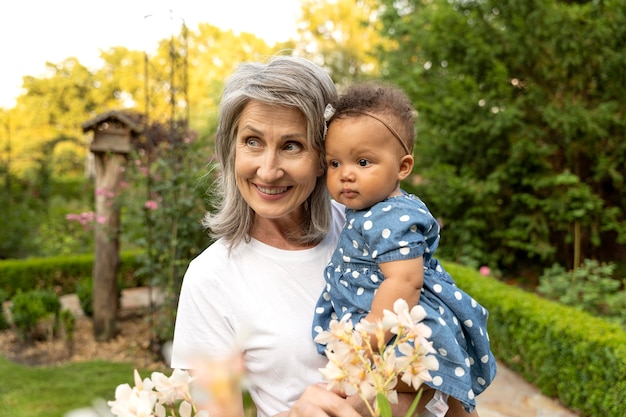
(363,162)
(333,164)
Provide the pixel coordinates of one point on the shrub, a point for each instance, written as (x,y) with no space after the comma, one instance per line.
(84,291)
(590,287)
(565,352)
(61,272)
(4,323)
(68,321)
(35,314)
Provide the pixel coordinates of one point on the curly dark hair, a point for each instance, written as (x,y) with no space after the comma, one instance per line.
(383,100)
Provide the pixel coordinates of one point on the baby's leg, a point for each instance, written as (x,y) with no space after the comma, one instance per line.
(456,409)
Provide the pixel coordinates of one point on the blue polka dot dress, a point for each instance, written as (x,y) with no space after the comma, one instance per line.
(402,228)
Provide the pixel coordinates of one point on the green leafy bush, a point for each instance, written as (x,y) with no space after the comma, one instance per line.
(68,321)
(84,291)
(4,323)
(30,310)
(591,287)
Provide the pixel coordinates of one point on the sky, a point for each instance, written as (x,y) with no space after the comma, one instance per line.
(33,32)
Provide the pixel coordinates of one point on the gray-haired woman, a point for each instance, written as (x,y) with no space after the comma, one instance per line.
(253,291)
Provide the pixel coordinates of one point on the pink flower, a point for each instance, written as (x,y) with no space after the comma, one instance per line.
(485,271)
(85,219)
(105,192)
(151,205)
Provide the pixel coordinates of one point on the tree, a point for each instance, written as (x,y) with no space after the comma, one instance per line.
(520,144)
(51,107)
(213,56)
(341,35)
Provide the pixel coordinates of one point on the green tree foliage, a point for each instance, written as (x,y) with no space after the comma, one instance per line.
(41,141)
(521,131)
(51,108)
(213,56)
(186,71)
(341,35)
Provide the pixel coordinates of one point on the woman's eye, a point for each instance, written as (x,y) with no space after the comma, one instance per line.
(253,142)
(363,162)
(293,146)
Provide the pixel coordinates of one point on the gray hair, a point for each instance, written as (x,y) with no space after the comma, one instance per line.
(286,81)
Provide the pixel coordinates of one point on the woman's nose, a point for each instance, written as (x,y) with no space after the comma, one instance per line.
(270,168)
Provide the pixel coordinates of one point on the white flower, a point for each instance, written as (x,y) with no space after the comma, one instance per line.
(156,397)
(354,366)
(417,371)
(174,388)
(132,402)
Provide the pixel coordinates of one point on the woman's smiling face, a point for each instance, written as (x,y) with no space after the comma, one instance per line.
(275,168)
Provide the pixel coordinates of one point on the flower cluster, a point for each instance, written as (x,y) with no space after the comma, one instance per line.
(86,219)
(158,396)
(355,367)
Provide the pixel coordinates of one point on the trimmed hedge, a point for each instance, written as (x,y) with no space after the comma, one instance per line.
(61,273)
(566,353)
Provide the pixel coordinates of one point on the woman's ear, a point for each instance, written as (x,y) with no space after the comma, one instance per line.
(406,167)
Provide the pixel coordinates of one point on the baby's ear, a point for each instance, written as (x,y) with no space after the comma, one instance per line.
(406,166)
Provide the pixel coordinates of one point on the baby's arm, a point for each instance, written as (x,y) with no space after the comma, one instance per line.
(403,279)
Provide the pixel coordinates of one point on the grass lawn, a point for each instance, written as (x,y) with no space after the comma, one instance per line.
(53,391)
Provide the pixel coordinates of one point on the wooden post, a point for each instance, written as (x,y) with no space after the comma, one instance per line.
(110,146)
(109,171)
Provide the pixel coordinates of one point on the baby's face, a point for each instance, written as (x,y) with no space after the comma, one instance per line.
(364,162)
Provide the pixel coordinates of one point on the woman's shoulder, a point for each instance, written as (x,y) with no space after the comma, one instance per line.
(210,258)
(338,217)
(338,210)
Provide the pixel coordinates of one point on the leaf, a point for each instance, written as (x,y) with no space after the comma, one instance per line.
(411,409)
(384,409)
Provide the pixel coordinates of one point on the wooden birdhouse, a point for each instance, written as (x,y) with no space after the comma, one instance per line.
(111,144)
(112,132)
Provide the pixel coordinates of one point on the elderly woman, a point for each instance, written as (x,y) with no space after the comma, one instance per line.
(253,291)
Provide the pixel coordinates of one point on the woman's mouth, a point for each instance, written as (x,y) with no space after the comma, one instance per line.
(271,190)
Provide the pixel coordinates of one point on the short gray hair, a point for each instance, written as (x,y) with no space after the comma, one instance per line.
(286,81)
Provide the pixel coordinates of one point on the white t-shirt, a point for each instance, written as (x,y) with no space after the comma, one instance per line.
(259,300)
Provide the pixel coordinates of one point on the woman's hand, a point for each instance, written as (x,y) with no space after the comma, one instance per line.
(405,400)
(317,401)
